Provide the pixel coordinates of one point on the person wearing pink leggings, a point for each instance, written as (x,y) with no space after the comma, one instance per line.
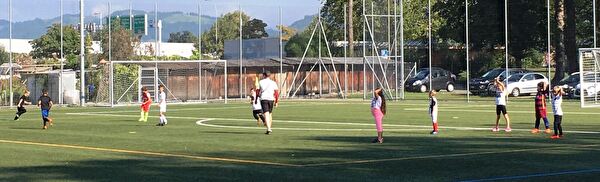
(378,111)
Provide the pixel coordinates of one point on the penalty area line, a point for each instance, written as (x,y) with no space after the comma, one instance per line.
(156,154)
(596,170)
(443,156)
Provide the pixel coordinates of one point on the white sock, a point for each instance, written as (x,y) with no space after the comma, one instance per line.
(164,119)
(161,120)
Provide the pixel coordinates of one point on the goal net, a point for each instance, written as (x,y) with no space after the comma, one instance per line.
(588,89)
(184,81)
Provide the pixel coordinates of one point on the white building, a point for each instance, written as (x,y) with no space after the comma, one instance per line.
(22,46)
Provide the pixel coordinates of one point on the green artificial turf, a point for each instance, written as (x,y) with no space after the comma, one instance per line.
(323,140)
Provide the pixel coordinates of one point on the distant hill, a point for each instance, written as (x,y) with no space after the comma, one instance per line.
(300,25)
(172,22)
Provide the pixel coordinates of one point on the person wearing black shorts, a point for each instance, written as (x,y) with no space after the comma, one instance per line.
(269,95)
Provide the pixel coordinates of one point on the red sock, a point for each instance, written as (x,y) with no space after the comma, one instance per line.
(435,127)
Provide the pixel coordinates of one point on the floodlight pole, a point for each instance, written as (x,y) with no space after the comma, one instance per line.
(199,51)
(110,54)
(62,57)
(402,45)
(396,49)
(10,57)
(81,53)
(241,54)
(345,51)
(467,48)
(594,17)
(506,43)
(364,51)
(320,65)
(281,77)
(429,35)
(548,38)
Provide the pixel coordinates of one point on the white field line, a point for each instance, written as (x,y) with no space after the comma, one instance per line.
(318,123)
(445,156)
(203,123)
(494,111)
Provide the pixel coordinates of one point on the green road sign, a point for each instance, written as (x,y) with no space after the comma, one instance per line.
(140,23)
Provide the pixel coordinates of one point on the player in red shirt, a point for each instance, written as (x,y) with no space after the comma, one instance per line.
(146,102)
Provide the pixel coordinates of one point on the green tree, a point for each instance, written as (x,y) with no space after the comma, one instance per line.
(288,32)
(122,43)
(183,37)
(228,29)
(254,29)
(49,43)
(3,55)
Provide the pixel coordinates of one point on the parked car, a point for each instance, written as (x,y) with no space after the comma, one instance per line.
(591,87)
(481,85)
(523,83)
(441,80)
(569,84)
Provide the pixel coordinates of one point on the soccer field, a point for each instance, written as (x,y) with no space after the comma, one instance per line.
(325,140)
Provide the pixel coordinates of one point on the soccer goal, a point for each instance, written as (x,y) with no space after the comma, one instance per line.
(184,81)
(589,75)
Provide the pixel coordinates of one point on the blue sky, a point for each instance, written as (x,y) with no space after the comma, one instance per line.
(263,9)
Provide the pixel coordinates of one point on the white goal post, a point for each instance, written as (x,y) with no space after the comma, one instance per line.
(184,80)
(588,89)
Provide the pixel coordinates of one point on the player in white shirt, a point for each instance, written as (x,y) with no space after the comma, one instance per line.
(256,108)
(501,105)
(269,95)
(162,105)
(433,111)
(557,95)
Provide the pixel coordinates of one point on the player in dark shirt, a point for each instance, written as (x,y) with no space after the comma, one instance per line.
(24,100)
(45,103)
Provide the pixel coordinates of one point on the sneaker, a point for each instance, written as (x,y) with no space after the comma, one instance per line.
(434,132)
(268,132)
(535,130)
(507,130)
(50,121)
(548,131)
(16,118)
(45,127)
(555,137)
(495,129)
(159,124)
(141,119)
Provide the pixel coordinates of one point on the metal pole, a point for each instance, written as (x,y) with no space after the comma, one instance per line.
(225,80)
(156,51)
(62,57)
(110,55)
(320,65)
(241,55)
(467,48)
(82,52)
(199,30)
(199,51)
(10,57)
(345,52)
(402,45)
(131,17)
(281,77)
(548,38)
(216,25)
(594,15)
(396,48)
(429,35)
(109,32)
(506,41)
(373,50)
(364,51)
